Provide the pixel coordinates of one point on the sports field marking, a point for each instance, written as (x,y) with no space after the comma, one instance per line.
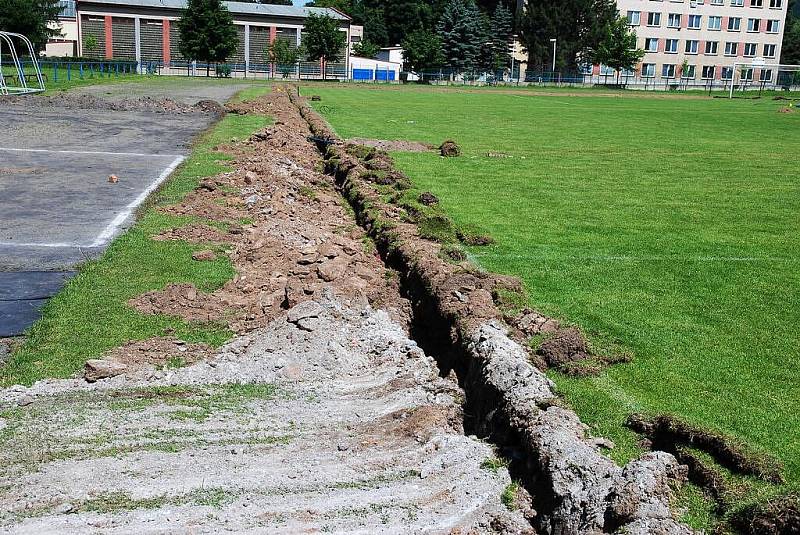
(622,258)
(29,244)
(91,152)
(113,227)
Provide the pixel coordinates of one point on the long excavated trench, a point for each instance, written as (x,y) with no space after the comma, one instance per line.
(362,393)
(574,488)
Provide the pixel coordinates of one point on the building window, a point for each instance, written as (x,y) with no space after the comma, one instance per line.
(766,75)
(773,26)
(750,49)
(691,46)
(688,72)
(695,21)
(769,51)
(712,48)
(714,23)
(648,70)
(671,46)
(634,17)
(651,44)
(753,24)
(756,3)
(668,70)
(708,72)
(734,24)
(737,3)
(776,3)
(717,2)
(674,20)
(727,73)
(731,49)
(747,74)
(654,19)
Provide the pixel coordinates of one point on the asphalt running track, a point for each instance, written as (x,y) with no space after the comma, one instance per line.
(57,208)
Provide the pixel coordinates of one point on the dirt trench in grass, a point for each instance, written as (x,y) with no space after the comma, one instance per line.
(321,415)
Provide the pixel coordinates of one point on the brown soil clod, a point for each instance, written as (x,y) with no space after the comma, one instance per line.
(185,301)
(206,255)
(450,149)
(428,199)
(563,347)
(776,516)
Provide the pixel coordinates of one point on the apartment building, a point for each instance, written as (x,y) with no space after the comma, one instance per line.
(700,40)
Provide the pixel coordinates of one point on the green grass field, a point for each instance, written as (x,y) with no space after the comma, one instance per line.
(667,225)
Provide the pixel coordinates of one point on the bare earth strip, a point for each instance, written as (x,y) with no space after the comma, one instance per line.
(343,425)
(322,415)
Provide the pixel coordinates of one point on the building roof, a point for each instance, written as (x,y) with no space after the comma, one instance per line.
(243,8)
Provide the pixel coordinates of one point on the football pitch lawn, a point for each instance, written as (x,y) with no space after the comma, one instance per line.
(669,226)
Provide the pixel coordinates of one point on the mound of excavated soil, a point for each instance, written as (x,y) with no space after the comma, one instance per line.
(298,241)
(90,102)
(328,420)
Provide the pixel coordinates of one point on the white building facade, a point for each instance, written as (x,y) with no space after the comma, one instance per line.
(701,40)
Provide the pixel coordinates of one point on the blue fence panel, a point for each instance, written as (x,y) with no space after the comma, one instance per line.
(362,74)
(385,75)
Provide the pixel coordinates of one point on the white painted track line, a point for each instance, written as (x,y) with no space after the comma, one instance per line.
(112,229)
(91,152)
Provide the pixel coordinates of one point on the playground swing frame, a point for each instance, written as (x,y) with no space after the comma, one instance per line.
(23,88)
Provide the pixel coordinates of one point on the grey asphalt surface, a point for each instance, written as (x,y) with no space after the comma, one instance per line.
(57,208)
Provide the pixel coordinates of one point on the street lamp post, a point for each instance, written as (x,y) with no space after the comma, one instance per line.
(554,55)
(513,53)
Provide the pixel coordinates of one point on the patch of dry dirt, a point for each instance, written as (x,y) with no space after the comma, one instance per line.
(393,145)
(158,351)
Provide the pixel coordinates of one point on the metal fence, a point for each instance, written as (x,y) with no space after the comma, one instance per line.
(786,81)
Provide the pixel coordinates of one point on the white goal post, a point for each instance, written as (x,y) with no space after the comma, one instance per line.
(785,76)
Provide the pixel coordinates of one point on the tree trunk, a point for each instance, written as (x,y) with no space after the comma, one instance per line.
(208,68)
(324,69)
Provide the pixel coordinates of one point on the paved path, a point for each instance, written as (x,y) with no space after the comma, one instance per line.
(58,208)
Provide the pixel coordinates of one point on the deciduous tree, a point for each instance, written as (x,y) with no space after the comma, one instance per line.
(422,50)
(617,49)
(31,18)
(283,55)
(790,53)
(207,32)
(366,49)
(323,40)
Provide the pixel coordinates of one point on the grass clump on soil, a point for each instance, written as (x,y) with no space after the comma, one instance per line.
(494,464)
(90,316)
(652,221)
(509,496)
